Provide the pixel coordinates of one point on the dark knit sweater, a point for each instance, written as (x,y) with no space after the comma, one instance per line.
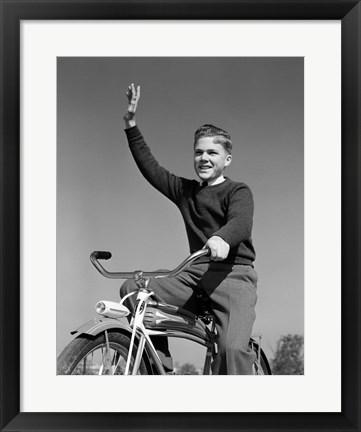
(224,210)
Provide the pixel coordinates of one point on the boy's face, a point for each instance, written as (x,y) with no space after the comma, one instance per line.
(210,160)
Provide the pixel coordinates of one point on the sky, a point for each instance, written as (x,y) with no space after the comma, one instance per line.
(104,203)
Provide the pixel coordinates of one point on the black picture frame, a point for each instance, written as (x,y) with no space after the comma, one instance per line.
(12,12)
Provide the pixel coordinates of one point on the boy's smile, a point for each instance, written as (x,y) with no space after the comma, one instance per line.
(210,160)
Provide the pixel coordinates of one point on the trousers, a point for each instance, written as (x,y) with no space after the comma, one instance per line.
(232,291)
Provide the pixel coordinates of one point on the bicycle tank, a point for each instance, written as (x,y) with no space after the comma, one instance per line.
(161,316)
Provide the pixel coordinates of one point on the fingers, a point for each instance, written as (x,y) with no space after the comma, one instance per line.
(217,254)
(132,88)
(218,247)
(133,95)
(133,92)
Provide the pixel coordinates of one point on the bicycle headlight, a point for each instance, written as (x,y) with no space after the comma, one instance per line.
(100,307)
(111,309)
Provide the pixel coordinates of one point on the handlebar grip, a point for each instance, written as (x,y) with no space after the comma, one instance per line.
(102,255)
(208,251)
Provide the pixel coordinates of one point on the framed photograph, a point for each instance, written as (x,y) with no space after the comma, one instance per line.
(284,79)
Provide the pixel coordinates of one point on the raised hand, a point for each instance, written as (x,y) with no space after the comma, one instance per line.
(133,95)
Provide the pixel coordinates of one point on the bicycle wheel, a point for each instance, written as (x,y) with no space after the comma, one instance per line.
(88,355)
(261,365)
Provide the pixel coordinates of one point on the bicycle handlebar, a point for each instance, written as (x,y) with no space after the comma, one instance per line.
(100,255)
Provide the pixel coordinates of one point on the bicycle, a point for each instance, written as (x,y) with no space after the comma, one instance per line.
(109,346)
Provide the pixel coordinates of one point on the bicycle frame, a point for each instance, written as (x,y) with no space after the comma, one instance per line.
(140,335)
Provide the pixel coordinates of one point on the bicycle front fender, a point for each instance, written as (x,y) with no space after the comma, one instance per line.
(98,325)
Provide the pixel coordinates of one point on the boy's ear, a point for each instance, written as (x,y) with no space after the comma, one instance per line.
(228,160)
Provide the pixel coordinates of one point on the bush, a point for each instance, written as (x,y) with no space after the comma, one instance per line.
(289,356)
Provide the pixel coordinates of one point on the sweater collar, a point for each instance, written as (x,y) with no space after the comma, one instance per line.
(205,184)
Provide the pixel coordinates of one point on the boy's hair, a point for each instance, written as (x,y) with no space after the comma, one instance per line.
(220,136)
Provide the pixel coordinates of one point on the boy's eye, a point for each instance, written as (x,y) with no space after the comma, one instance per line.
(199,153)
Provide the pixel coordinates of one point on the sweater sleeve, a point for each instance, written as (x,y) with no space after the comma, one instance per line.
(238,227)
(161,179)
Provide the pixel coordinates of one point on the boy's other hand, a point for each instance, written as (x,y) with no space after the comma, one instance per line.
(133,95)
(218,247)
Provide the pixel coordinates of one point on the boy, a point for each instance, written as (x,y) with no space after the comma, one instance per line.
(218,214)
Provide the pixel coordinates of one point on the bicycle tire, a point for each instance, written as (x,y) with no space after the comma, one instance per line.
(261,365)
(78,357)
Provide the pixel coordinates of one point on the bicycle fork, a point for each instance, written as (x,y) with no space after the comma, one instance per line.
(138,328)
